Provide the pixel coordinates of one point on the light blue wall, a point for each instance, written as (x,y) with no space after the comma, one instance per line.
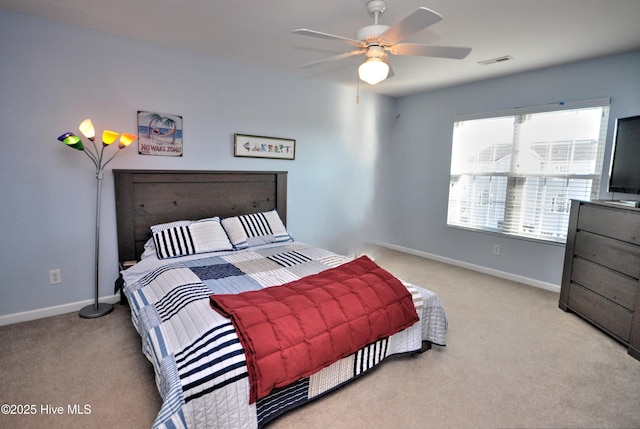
(377,170)
(52,76)
(415,174)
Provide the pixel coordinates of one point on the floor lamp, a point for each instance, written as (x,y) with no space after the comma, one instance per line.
(96,156)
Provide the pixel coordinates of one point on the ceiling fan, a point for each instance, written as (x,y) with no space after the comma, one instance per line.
(374,41)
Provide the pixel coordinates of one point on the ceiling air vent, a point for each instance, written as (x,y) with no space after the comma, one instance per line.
(496,60)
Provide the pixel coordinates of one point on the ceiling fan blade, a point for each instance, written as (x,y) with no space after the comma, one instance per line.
(313,33)
(418,20)
(414,49)
(334,58)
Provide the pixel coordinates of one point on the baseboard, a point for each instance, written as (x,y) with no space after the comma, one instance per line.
(26,316)
(41,313)
(497,273)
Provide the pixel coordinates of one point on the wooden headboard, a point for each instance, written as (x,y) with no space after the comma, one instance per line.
(149,197)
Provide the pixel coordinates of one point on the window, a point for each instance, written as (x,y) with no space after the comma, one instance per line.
(516,172)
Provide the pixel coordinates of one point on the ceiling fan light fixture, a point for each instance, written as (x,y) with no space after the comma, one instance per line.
(373,71)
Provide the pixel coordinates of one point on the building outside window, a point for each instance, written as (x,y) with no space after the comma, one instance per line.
(516,172)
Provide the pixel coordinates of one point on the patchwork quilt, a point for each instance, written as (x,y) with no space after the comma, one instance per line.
(199,361)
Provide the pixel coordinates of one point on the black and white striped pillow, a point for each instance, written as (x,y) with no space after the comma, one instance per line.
(255,229)
(184,238)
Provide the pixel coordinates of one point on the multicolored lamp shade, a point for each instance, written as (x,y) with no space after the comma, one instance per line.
(71,140)
(109,137)
(87,130)
(126,139)
(96,155)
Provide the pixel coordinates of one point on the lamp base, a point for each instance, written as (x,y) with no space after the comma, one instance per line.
(91,312)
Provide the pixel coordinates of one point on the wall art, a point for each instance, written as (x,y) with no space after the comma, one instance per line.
(264,147)
(159,134)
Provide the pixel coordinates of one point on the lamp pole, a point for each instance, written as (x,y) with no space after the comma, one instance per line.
(97,309)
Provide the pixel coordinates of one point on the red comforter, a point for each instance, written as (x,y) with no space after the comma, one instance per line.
(291,331)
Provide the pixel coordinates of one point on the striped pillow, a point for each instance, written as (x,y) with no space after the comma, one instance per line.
(184,238)
(255,229)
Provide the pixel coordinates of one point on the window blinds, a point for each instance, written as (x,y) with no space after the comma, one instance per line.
(515,172)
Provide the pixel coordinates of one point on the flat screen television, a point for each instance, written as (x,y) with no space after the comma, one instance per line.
(624,176)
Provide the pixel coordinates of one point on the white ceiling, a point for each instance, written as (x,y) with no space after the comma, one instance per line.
(536,33)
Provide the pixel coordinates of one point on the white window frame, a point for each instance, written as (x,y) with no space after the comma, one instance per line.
(498,195)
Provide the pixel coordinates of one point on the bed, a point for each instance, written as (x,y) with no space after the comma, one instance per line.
(240,321)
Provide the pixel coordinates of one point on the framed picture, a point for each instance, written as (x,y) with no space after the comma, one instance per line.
(159,134)
(264,147)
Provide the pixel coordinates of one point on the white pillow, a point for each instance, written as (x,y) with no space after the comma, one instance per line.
(164,226)
(255,229)
(183,238)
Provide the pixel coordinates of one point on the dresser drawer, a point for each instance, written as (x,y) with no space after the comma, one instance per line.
(619,224)
(601,276)
(617,255)
(610,284)
(599,310)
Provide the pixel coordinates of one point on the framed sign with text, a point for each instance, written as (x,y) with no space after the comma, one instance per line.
(264,147)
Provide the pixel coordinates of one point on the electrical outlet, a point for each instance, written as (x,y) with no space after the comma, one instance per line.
(496,249)
(55,277)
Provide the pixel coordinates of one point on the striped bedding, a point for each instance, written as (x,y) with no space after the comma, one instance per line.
(198,360)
